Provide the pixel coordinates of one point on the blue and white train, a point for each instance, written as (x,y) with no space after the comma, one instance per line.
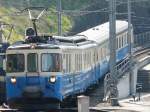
(45,69)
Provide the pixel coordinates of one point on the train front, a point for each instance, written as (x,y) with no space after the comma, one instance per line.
(33,75)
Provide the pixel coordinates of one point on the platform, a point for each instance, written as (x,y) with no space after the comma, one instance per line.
(127,105)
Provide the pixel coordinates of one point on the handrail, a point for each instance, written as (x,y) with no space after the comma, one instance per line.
(122,67)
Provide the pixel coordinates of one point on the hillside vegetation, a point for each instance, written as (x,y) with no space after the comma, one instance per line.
(72,22)
(46,24)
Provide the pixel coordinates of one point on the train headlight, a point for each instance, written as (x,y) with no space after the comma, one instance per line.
(13,80)
(52,79)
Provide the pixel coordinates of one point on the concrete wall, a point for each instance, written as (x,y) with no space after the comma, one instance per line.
(124,86)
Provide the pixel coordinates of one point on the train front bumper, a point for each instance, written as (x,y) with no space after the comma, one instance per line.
(33,103)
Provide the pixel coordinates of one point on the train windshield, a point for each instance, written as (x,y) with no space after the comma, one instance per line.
(1,61)
(32,62)
(15,63)
(51,62)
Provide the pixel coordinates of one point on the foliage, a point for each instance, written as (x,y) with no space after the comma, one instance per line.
(71,23)
(46,24)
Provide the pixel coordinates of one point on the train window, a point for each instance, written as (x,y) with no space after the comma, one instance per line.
(80,62)
(102,50)
(64,63)
(105,49)
(95,57)
(132,36)
(15,63)
(116,43)
(99,54)
(85,60)
(32,62)
(89,59)
(67,65)
(126,38)
(51,62)
(69,62)
(102,53)
(1,61)
(76,62)
(122,40)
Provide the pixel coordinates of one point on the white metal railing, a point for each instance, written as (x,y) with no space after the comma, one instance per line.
(122,67)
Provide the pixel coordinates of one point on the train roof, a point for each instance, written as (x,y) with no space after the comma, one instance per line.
(58,42)
(101,32)
(86,39)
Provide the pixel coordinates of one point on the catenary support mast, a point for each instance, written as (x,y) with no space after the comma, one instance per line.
(130,49)
(59,8)
(112,42)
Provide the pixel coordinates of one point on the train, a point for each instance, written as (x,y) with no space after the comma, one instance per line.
(47,69)
(3,47)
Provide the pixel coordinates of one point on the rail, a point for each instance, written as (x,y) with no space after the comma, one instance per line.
(141,39)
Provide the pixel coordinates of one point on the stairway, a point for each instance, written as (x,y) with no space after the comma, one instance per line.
(144,79)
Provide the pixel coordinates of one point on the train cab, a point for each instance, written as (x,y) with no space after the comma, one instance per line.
(33,72)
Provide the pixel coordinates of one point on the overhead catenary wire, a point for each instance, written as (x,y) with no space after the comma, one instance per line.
(80,12)
(140,17)
(73,12)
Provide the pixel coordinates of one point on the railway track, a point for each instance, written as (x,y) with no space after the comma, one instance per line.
(141,52)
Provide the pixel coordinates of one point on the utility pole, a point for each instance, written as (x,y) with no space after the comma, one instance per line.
(129,25)
(1,35)
(112,43)
(130,49)
(59,9)
(28,3)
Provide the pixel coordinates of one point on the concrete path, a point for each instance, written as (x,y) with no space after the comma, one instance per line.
(127,105)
